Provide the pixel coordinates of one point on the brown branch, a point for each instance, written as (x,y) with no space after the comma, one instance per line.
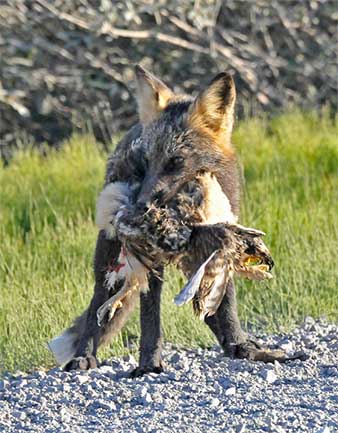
(107,29)
(64,16)
(151,34)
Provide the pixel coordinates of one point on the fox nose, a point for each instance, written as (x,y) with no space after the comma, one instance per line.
(141,206)
(158,196)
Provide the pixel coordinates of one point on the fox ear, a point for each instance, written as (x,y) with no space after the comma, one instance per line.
(152,95)
(213,109)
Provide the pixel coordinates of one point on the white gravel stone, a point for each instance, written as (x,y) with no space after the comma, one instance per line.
(82,379)
(241,428)
(109,405)
(230,391)
(324,429)
(287,346)
(146,399)
(269,375)
(215,402)
(141,391)
(19,415)
(3,384)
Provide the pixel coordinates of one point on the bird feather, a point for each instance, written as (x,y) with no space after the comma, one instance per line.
(193,284)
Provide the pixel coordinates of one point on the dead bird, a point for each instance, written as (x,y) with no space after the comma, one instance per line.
(175,233)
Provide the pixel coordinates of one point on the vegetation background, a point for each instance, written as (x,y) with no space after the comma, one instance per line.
(67,66)
(48,235)
(66,97)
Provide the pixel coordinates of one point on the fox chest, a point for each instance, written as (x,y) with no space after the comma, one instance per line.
(216,207)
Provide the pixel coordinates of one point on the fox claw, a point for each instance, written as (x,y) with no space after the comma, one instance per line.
(82,363)
(141,371)
(254,352)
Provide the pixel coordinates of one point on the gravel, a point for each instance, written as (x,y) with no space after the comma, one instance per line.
(200,391)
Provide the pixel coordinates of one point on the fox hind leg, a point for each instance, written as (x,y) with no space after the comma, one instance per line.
(235,342)
(225,323)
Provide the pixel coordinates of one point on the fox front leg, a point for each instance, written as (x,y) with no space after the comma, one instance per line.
(86,335)
(151,334)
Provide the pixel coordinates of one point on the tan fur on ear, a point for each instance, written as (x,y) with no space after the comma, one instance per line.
(152,95)
(213,110)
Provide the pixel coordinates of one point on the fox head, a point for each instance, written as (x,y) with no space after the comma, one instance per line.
(183,136)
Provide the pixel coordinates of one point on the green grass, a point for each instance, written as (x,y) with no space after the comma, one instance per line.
(48,235)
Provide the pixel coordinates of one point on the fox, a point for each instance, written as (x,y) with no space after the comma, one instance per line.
(177,136)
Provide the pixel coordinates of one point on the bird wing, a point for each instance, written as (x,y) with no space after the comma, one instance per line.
(216,294)
(193,284)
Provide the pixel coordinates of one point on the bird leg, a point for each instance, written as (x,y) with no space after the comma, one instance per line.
(115,302)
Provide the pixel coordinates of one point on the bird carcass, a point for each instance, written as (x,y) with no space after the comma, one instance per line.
(209,247)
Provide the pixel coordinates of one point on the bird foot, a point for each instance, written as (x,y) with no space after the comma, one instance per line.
(108,307)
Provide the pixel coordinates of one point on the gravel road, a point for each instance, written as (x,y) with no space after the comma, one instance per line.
(201,391)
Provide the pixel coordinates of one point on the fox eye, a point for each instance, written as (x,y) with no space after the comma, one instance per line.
(174,164)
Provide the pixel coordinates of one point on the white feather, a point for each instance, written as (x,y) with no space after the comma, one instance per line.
(62,347)
(113,197)
(215,296)
(193,285)
(132,270)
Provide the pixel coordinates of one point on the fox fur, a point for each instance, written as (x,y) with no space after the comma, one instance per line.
(178,136)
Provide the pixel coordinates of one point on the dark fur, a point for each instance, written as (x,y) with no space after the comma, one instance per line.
(162,156)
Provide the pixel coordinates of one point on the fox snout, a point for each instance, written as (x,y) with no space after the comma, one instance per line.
(157,189)
(146,192)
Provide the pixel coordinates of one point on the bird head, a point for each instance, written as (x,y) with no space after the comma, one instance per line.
(254,259)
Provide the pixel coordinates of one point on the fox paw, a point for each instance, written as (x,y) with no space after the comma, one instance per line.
(82,363)
(254,352)
(140,371)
